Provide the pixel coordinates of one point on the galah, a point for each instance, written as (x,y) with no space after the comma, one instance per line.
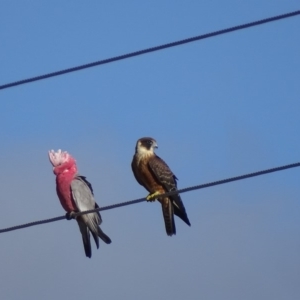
(76,195)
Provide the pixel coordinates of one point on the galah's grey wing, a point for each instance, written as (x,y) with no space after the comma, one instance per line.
(87,182)
(84,200)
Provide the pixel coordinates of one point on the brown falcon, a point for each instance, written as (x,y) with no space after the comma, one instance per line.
(154,175)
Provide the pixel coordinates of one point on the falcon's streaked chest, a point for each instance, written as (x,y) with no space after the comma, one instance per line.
(143,174)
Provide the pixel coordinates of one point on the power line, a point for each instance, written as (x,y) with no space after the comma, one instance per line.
(188,189)
(152,49)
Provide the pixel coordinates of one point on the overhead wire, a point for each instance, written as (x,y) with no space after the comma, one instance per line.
(152,49)
(180,191)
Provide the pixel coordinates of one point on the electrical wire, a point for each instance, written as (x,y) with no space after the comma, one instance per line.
(188,189)
(152,49)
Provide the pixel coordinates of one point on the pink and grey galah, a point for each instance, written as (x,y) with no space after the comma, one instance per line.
(76,194)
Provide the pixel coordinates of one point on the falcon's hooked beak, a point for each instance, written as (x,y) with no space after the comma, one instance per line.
(155,145)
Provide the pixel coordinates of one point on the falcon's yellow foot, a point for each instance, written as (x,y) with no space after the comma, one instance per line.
(152,197)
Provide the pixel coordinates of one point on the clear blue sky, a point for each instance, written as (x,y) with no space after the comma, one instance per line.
(217,108)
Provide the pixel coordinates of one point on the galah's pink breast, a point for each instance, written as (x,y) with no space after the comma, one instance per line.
(63,188)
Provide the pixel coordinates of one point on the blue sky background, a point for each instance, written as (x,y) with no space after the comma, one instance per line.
(218,108)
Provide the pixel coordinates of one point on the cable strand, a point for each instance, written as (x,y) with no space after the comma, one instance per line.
(184,190)
(152,49)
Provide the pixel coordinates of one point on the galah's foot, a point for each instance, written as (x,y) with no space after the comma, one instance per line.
(152,197)
(70,215)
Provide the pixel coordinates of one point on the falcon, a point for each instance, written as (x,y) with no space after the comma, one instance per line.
(155,176)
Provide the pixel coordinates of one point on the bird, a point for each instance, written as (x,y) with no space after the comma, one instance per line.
(156,177)
(76,195)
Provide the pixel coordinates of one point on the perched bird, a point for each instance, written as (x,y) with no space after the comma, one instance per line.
(76,194)
(154,175)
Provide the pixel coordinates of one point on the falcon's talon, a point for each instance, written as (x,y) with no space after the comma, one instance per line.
(152,197)
(70,215)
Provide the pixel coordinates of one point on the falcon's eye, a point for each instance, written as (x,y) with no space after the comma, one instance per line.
(149,142)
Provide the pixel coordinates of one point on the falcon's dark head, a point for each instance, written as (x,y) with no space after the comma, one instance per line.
(145,145)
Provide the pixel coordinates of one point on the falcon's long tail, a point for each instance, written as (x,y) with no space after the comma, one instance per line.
(179,209)
(168,214)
